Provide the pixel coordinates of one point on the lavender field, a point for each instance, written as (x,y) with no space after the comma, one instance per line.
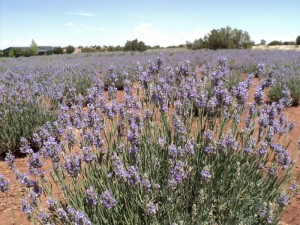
(151,138)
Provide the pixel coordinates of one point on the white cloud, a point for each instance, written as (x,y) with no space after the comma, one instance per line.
(18,42)
(81,14)
(147,33)
(69,24)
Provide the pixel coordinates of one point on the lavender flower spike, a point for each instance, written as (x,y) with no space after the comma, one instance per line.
(3,184)
(108,200)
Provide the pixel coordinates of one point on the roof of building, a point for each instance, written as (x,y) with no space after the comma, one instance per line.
(41,48)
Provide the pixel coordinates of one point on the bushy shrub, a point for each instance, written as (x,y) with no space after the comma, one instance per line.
(278,91)
(58,50)
(135,45)
(298,40)
(70,49)
(18,121)
(223,38)
(287,81)
(275,43)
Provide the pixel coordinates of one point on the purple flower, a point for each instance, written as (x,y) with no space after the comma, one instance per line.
(10,159)
(3,184)
(33,197)
(26,207)
(52,204)
(263,212)
(172,151)
(25,180)
(146,184)
(293,187)
(63,216)
(283,200)
(108,201)
(52,149)
(45,218)
(208,135)
(261,69)
(178,173)
(25,148)
(210,149)
(151,209)
(134,178)
(73,165)
(205,175)
(259,95)
(91,196)
(119,169)
(34,161)
(284,159)
(82,219)
(70,137)
(262,150)
(88,157)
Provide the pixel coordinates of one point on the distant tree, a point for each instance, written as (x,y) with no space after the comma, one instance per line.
(58,50)
(298,40)
(135,45)
(224,38)
(70,49)
(289,43)
(263,42)
(34,50)
(11,53)
(18,52)
(275,43)
(188,45)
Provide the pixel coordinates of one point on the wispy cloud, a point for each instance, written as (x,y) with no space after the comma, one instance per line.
(69,24)
(81,14)
(152,36)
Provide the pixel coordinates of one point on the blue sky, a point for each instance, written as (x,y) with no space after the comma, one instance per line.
(156,22)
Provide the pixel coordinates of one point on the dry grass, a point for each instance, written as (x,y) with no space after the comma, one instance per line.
(278,47)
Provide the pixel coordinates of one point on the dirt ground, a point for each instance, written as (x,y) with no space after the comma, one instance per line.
(10,212)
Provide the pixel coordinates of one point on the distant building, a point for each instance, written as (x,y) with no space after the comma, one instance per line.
(42,49)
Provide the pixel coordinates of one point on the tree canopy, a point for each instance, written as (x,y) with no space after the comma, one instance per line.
(223,38)
(135,45)
(34,50)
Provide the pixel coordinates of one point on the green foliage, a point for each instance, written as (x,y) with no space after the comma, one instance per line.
(88,50)
(70,49)
(14,52)
(263,42)
(135,45)
(34,50)
(293,85)
(20,121)
(224,38)
(298,40)
(289,43)
(49,52)
(58,50)
(275,43)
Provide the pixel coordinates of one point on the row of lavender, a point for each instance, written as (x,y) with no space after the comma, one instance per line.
(176,149)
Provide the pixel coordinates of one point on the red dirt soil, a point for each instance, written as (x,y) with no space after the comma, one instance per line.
(10,212)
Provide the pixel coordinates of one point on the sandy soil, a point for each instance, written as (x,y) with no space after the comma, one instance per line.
(277,47)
